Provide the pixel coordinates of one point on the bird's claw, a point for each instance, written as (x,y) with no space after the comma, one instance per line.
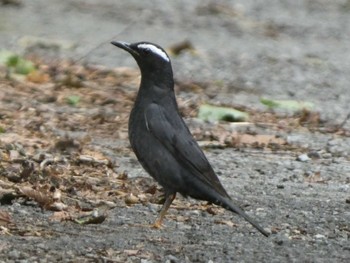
(157,225)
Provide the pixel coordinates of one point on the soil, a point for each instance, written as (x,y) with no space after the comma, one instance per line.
(71,190)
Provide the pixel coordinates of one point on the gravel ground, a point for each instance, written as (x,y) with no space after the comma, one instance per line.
(295,50)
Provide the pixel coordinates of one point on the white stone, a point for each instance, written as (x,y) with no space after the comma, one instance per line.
(303,158)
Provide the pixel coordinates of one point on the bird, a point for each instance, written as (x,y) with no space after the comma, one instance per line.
(162,142)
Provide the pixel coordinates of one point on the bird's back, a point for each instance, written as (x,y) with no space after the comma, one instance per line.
(175,160)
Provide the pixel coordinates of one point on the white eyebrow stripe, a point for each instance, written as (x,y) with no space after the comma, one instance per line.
(155,50)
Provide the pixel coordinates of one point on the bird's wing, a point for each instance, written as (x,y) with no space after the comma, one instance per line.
(176,138)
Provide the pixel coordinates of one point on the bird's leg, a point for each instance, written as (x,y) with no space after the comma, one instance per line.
(169,199)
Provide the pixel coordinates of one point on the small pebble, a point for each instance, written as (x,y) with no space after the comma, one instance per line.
(182,226)
(15,254)
(42,246)
(303,158)
(319,236)
(327,155)
(314,154)
(172,259)
(279,242)
(153,208)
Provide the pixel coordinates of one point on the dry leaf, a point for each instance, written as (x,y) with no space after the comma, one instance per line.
(38,77)
(57,206)
(178,48)
(40,197)
(131,252)
(225,222)
(315,178)
(275,229)
(5,218)
(57,195)
(142,197)
(258,140)
(92,160)
(213,210)
(182,218)
(131,199)
(61,216)
(151,190)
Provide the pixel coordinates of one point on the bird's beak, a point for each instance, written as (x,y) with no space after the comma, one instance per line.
(126,47)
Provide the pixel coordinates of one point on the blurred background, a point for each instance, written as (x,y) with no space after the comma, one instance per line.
(247,49)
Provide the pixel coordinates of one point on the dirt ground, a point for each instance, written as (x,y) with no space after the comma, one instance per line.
(71,190)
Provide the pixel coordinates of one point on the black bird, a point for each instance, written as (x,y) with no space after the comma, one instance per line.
(161,140)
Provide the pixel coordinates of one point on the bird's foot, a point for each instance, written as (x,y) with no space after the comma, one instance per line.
(158,224)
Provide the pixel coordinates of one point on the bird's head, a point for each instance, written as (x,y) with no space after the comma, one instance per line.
(151,58)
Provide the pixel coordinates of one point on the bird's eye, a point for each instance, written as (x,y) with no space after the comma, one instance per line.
(146,51)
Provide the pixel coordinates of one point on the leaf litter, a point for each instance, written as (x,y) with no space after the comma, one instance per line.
(52,120)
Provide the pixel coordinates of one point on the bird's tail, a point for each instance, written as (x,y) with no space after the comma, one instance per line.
(228,204)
